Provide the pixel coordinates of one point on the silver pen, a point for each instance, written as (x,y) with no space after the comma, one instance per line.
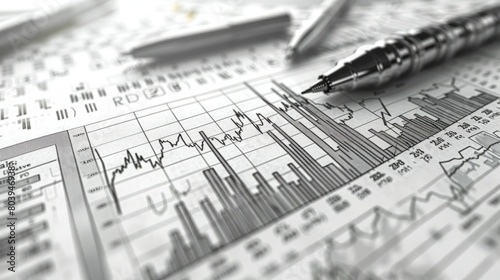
(313,30)
(18,30)
(213,35)
(406,54)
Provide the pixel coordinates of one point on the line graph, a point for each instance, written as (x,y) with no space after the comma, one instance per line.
(469,162)
(410,214)
(409,217)
(452,86)
(456,169)
(455,194)
(384,112)
(236,208)
(137,160)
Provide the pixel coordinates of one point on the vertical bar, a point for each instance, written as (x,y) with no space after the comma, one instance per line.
(213,218)
(271,194)
(218,187)
(288,196)
(306,192)
(231,224)
(249,214)
(286,187)
(307,185)
(195,237)
(179,259)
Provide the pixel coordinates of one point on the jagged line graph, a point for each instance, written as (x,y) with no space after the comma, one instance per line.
(137,160)
(289,104)
(456,194)
(455,169)
(378,213)
(385,112)
(262,120)
(436,86)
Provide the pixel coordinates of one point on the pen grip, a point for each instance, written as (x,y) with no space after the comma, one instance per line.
(407,53)
(436,44)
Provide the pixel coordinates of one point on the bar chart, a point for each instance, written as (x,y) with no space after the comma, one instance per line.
(227,203)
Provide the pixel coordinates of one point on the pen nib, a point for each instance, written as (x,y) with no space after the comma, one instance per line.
(317,87)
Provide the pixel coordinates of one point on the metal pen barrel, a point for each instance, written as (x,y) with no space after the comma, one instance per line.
(407,53)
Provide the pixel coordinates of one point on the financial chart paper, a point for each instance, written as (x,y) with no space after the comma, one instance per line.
(218,168)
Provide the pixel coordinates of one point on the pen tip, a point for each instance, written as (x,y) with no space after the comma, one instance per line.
(317,87)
